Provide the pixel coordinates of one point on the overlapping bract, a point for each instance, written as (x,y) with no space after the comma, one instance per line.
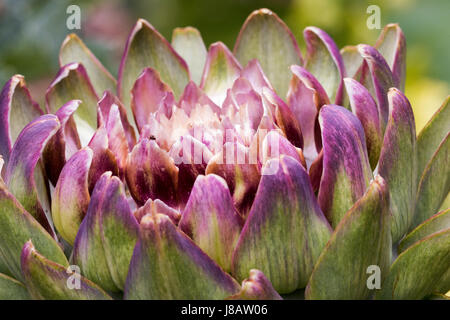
(211,167)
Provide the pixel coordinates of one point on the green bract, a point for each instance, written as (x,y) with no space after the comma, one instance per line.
(217,174)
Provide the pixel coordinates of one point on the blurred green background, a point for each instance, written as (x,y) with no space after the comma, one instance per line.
(31,32)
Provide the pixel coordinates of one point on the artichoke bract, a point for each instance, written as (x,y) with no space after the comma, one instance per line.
(217,174)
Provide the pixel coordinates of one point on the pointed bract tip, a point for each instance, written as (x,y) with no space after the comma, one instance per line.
(187,29)
(151,219)
(262,11)
(27,249)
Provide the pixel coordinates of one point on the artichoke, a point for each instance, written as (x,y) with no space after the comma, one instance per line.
(211,174)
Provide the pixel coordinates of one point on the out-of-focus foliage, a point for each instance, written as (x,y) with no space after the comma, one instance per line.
(31,32)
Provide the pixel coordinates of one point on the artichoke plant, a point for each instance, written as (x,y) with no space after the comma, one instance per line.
(212,174)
